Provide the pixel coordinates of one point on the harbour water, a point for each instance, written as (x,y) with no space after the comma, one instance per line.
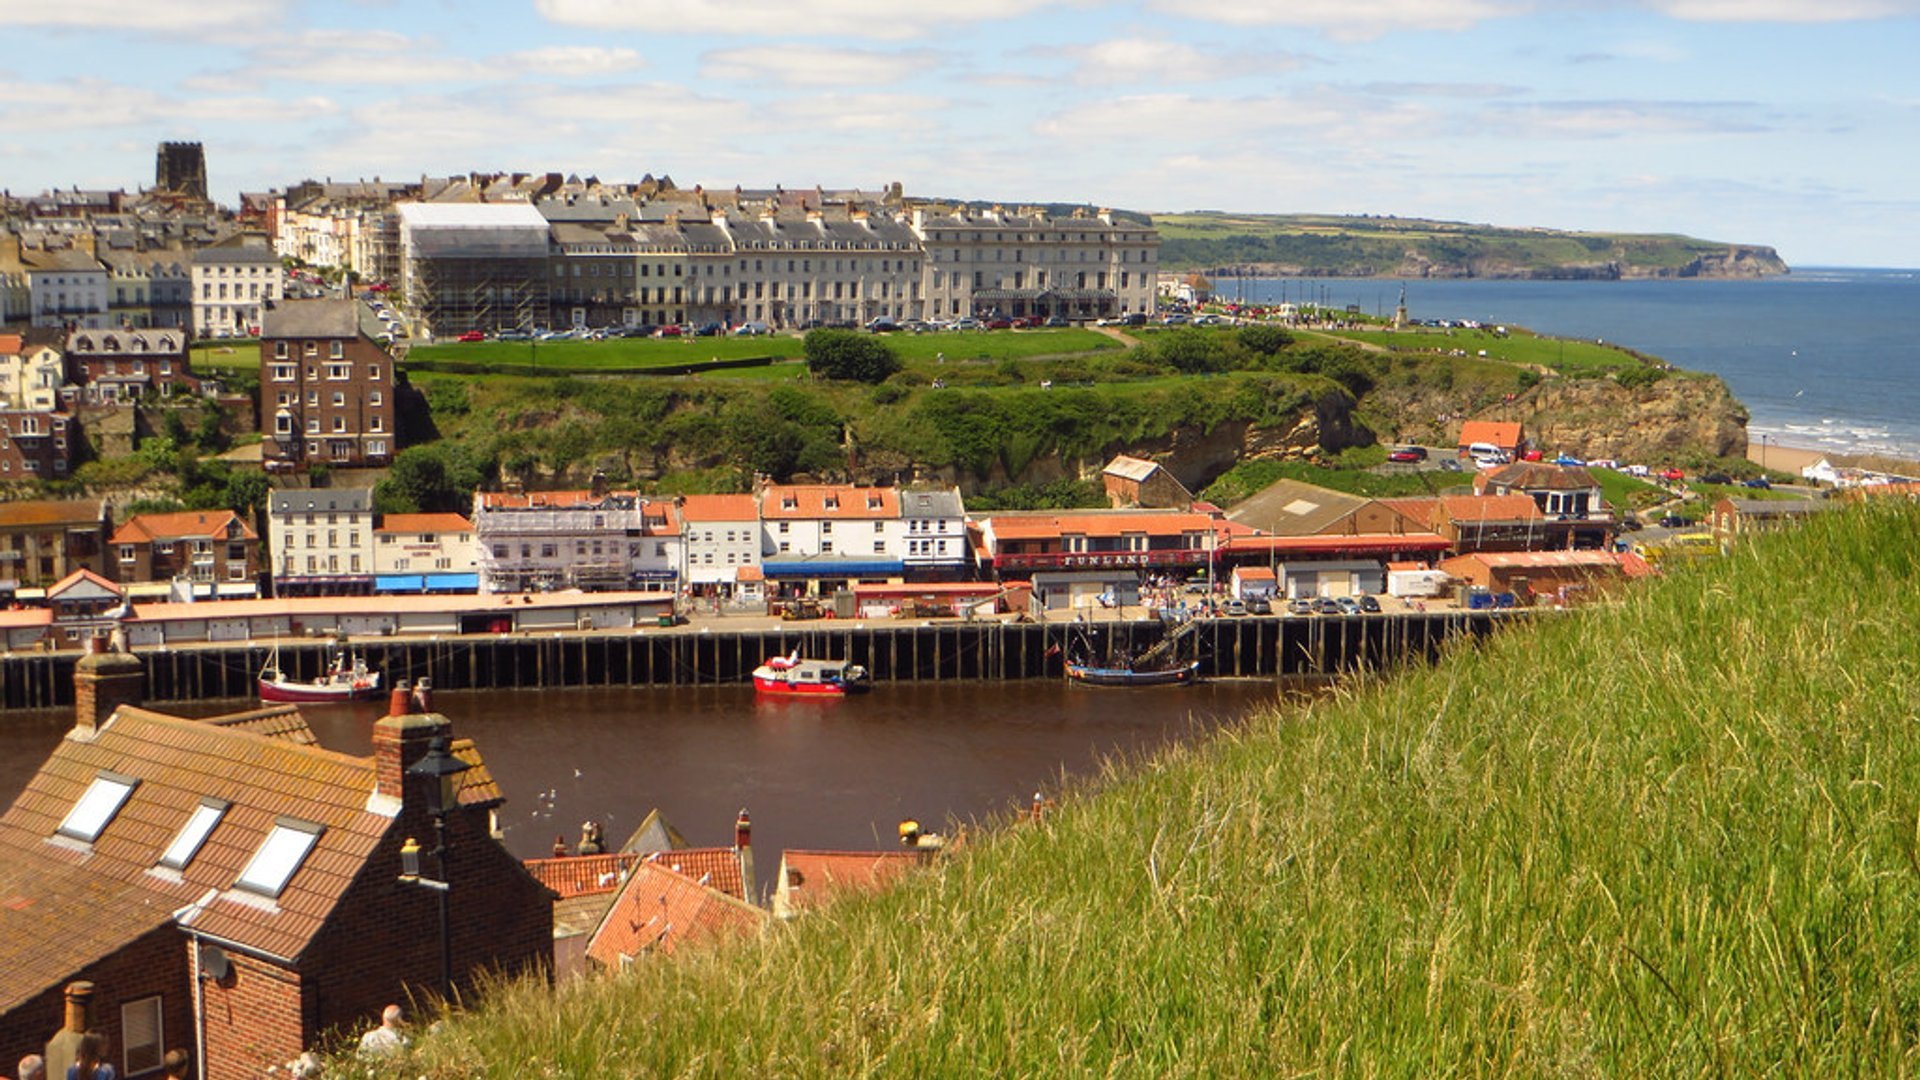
(1823,357)
(814,773)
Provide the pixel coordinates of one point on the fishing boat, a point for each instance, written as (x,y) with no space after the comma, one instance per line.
(821,678)
(1126,676)
(347,679)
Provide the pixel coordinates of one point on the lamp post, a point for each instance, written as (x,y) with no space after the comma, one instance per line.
(441,771)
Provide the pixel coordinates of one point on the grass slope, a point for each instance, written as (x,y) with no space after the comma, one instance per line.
(1676,837)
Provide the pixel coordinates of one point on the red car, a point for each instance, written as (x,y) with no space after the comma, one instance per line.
(1675,475)
(472,335)
(667,331)
(1407,453)
(998,324)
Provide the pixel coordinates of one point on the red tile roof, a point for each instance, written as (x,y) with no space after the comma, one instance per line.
(1502,433)
(198,524)
(424,523)
(10,344)
(78,576)
(29,513)
(809,878)
(718,508)
(177,763)
(582,875)
(715,867)
(1459,508)
(661,911)
(812,501)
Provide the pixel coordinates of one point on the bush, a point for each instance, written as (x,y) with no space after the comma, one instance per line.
(849,356)
(1635,377)
(1191,351)
(1263,340)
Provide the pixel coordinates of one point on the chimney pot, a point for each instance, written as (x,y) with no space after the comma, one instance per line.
(79,1006)
(400,699)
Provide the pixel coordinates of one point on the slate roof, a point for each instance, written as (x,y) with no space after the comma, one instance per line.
(944,503)
(659,910)
(320,500)
(319,319)
(1537,476)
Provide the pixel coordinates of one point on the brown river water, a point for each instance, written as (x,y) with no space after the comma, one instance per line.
(815,774)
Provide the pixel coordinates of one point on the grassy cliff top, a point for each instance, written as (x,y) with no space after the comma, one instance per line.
(1672,837)
(1363,246)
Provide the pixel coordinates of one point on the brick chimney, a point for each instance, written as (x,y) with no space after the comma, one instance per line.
(401,738)
(103,681)
(64,1048)
(743,848)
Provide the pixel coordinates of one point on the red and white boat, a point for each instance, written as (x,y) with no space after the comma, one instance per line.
(348,679)
(819,678)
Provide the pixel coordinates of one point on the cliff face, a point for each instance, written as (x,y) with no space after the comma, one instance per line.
(1599,418)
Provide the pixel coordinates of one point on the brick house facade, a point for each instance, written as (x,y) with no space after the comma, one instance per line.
(34,445)
(155,856)
(115,366)
(326,386)
(201,545)
(44,540)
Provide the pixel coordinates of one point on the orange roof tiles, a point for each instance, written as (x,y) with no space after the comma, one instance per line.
(718,508)
(424,523)
(208,524)
(840,501)
(10,344)
(661,911)
(582,875)
(715,867)
(30,513)
(1459,508)
(1501,433)
(813,877)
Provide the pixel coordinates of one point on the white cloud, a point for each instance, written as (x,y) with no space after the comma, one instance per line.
(859,112)
(818,18)
(805,65)
(1620,119)
(1786,11)
(1348,20)
(162,16)
(1133,60)
(561,61)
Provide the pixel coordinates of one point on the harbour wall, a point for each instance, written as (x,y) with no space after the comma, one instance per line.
(940,651)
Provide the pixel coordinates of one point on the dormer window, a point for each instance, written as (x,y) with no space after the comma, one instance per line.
(279,856)
(186,844)
(102,800)
(833,502)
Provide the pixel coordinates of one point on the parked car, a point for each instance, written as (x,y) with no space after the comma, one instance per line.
(1602,463)
(1450,465)
(1299,605)
(1260,605)
(998,324)
(966,324)
(1056,320)
(514,335)
(1715,478)
(1635,470)
(712,329)
(1760,482)
(751,329)
(1370,604)
(1672,475)
(667,331)
(1568,459)
(1348,605)
(1135,318)
(1407,454)
(812,324)
(1236,607)
(472,335)
(1675,521)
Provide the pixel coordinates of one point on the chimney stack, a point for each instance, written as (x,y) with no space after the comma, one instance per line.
(102,682)
(64,1048)
(743,848)
(400,739)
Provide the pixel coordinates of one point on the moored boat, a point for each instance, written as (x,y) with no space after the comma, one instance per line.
(347,679)
(823,678)
(1126,676)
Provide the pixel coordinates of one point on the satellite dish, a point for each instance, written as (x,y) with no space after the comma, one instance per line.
(214,963)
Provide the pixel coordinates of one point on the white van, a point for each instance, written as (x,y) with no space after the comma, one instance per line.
(1485,454)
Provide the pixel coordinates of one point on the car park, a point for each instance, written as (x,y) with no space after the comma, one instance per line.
(1325,606)
(1348,605)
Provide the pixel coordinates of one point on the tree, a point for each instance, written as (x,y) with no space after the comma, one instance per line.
(845,354)
(435,478)
(1263,340)
(1191,351)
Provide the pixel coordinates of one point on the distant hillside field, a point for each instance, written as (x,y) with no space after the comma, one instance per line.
(1321,245)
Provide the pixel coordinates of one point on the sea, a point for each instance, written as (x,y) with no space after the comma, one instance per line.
(1820,357)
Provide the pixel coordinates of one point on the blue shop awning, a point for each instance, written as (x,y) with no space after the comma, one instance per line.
(399,583)
(831,568)
(454,582)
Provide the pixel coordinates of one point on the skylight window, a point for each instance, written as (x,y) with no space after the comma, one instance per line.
(280,854)
(96,808)
(194,833)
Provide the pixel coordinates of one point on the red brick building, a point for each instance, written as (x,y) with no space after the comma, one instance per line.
(232,888)
(326,386)
(204,546)
(44,540)
(111,366)
(34,444)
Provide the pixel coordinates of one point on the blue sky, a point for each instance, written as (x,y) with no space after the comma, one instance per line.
(1794,123)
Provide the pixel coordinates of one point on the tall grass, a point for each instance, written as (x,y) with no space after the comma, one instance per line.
(1673,837)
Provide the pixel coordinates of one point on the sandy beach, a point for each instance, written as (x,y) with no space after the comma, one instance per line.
(1791,459)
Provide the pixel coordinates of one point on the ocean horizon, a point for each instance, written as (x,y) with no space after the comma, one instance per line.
(1820,357)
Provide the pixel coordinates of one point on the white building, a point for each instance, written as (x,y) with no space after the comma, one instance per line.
(1028,264)
(320,541)
(30,375)
(934,534)
(66,287)
(593,540)
(819,538)
(233,283)
(722,536)
(425,553)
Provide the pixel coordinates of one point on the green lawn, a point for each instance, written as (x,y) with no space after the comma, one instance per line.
(227,355)
(996,345)
(578,356)
(1569,357)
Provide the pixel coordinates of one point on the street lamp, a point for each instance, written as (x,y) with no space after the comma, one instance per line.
(441,771)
